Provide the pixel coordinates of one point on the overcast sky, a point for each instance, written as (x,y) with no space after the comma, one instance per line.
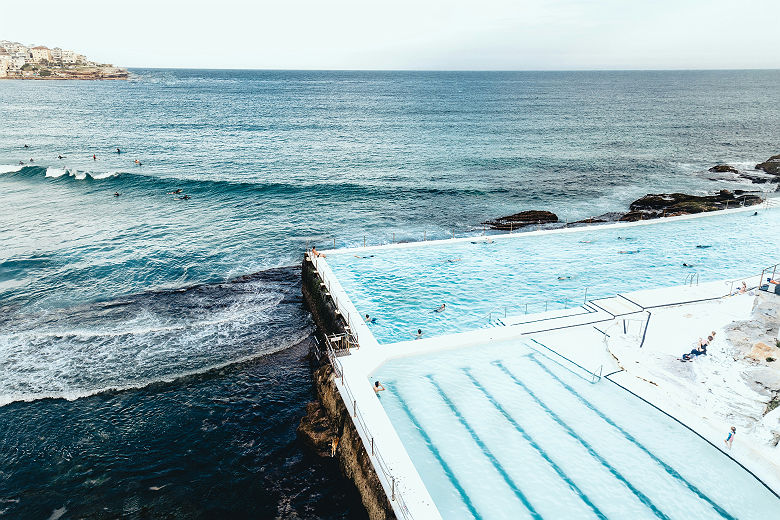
(406,34)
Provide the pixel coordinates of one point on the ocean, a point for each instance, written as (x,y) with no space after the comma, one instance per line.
(152,347)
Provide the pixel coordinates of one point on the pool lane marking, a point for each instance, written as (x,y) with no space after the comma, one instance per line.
(593,453)
(438,456)
(485,450)
(670,470)
(533,444)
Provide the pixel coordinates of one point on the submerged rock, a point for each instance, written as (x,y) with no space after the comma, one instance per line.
(522,219)
(723,168)
(771,165)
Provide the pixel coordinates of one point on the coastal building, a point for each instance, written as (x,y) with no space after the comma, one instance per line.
(40,53)
(18,59)
(5,63)
(56,54)
(68,56)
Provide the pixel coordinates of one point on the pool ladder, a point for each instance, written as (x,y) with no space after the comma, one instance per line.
(692,279)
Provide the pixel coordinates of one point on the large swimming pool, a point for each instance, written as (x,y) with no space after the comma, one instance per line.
(502,431)
(480,278)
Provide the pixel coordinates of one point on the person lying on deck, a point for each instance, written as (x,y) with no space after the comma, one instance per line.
(701,350)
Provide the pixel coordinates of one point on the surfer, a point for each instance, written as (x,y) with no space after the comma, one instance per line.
(137,162)
(116,194)
(186,197)
(21,163)
(60,157)
(118,150)
(94,157)
(174,192)
(25,146)
(31,159)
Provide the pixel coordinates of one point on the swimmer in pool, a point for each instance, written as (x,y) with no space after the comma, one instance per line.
(451,261)
(702,247)
(440,308)
(564,278)
(369,256)
(369,319)
(631,252)
(687,265)
(419,334)
(378,387)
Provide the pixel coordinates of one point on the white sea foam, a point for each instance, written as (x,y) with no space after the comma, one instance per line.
(10,168)
(93,352)
(72,395)
(56,172)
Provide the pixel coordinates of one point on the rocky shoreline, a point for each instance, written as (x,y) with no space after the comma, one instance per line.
(657,205)
(651,206)
(767,172)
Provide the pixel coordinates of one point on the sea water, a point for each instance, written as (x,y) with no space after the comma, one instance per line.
(137,374)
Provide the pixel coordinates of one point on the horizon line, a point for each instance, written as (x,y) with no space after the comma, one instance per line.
(457,70)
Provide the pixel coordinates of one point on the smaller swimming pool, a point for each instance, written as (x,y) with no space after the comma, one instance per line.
(479,279)
(502,431)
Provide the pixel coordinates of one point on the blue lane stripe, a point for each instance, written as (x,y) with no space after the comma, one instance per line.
(489,454)
(641,496)
(670,470)
(533,443)
(444,466)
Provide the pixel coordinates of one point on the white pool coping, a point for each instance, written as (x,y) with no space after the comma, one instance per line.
(359,366)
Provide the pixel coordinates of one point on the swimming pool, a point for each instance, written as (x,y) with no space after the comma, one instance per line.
(502,431)
(477,279)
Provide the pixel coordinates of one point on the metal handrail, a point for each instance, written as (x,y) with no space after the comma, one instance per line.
(381,464)
(524,306)
(691,278)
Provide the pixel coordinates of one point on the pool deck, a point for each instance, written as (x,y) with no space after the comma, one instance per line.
(586,327)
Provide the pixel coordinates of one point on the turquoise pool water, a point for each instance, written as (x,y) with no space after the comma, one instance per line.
(400,287)
(502,431)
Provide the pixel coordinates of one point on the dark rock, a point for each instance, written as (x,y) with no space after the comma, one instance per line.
(671,204)
(316,431)
(723,168)
(759,179)
(522,219)
(771,165)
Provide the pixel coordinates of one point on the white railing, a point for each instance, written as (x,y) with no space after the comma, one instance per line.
(369,443)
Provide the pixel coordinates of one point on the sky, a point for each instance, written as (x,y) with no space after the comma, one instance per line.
(404,34)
